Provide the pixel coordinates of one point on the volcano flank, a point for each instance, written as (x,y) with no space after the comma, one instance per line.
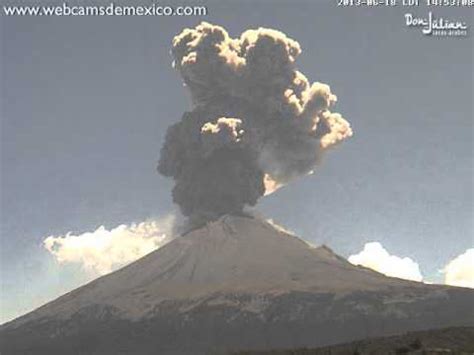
(235,283)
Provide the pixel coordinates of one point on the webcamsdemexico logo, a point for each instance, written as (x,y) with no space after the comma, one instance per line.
(437,26)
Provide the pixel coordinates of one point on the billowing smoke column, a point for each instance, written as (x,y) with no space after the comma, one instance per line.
(257,122)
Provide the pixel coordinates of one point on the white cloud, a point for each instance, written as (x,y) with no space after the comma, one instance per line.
(374,256)
(103,251)
(460,270)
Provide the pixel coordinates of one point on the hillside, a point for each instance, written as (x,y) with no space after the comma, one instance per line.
(456,341)
(237,283)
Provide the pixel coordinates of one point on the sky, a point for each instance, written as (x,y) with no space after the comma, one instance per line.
(86,101)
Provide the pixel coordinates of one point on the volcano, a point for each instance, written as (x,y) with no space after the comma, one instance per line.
(235,283)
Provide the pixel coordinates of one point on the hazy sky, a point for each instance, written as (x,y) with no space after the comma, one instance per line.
(86,103)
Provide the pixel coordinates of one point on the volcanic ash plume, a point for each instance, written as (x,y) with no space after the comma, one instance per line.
(257,122)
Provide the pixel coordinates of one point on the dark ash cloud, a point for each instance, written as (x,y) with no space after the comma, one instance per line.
(257,121)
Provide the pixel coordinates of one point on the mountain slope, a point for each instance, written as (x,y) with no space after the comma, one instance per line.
(454,341)
(235,283)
